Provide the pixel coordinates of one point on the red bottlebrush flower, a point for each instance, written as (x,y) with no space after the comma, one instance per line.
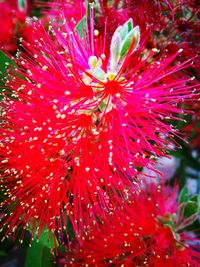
(149,233)
(82,121)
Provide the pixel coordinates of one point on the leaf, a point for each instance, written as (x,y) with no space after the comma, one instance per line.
(22,4)
(190,209)
(47,239)
(195,198)
(126,28)
(130,43)
(125,39)
(130,24)
(38,255)
(82,27)
(5,63)
(184,195)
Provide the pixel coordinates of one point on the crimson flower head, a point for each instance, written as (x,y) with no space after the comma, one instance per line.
(82,120)
(150,232)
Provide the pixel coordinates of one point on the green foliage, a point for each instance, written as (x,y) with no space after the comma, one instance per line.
(189,206)
(130,42)
(21,4)
(5,63)
(82,27)
(125,40)
(184,195)
(47,239)
(38,255)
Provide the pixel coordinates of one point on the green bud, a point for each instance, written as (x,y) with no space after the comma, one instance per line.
(125,40)
(130,42)
(22,4)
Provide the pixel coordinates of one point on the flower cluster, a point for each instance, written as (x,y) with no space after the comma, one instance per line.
(90,101)
(151,231)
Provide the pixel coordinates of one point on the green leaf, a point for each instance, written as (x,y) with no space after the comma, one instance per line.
(39,253)
(82,27)
(125,28)
(195,198)
(184,195)
(190,209)
(47,239)
(130,42)
(38,256)
(21,4)
(130,24)
(5,63)
(125,39)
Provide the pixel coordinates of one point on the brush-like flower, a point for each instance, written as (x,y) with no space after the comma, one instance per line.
(151,232)
(82,121)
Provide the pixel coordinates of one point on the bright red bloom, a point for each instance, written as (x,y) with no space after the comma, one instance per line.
(81,123)
(148,233)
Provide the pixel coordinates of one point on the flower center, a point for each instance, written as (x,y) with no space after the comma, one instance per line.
(107,87)
(110,89)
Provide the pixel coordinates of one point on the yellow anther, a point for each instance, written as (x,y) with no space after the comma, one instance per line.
(92,62)
(96,32)
(111,76)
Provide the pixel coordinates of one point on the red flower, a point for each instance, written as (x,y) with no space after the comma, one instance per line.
(82,121)
(148,233)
